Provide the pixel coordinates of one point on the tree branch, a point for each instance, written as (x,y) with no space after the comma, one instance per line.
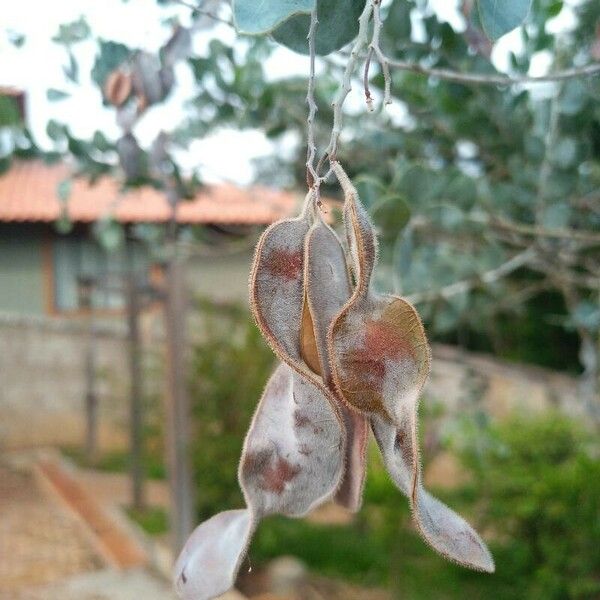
(459,287)
(201,11)
(383,61)
(590,70)
(537,231)
(312,176)
(360,44)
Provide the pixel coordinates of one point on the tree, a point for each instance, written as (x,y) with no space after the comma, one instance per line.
(499,171)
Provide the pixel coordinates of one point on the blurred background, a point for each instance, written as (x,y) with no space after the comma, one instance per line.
(144,146)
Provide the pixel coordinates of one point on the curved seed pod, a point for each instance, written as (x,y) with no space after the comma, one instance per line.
(292,457)
(277,286)
(327,286)
(380,362)
(444,530)
(209,562)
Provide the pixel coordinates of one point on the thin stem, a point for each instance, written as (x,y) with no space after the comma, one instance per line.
(201,11)
(383,61)
(360,44)
(312,178)
(516,262)
(368,97)
(590,70)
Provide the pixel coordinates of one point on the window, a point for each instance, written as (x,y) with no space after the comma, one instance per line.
(77,258)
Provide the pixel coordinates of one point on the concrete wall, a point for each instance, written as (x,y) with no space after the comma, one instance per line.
(222,278)
(42,383)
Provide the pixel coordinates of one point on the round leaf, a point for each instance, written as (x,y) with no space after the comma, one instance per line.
(391,214)
(256,17)
(501,16)
(338,26)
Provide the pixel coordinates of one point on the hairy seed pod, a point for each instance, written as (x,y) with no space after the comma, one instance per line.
(210,560)
(278,299)
(327,289)
(380,362)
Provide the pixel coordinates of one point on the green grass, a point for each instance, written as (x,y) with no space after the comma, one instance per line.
(117,461)
(380,548)
(152,520)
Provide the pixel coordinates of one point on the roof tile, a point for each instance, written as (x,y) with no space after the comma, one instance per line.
(28,193)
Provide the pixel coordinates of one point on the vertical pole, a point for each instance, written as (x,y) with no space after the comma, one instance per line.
(91,399)
(176,398)
(135,400)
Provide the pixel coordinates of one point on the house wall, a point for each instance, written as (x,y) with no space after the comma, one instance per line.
(21,270)
(220,278)
(42,389)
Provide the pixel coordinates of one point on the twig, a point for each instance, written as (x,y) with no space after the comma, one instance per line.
(368,97)
(383,61)
(590,70)
(538,231)
(491,276)
(360,44)
(312,178)
(201,11)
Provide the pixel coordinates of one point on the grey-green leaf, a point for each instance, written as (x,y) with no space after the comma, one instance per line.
(391,214)
(257,17)
(338,26)
(501,16)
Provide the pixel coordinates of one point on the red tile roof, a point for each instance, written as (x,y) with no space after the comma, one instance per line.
(28,192)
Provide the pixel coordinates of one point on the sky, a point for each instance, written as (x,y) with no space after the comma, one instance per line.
(37,66)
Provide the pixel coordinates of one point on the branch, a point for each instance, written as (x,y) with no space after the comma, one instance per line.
(385,65)
(590,70)
(312,176)
(359,45)
(201,11)
(537,231)
(459,287)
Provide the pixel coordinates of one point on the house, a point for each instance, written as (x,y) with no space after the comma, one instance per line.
(45,336)
(40,267)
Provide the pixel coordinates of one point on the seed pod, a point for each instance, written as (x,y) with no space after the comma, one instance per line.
(442,528)
(210,560)
(117,87)
(277,286)
(380,362)
(327,289)
(292,457)
(278,298)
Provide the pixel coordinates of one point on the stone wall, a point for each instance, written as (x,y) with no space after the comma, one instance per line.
(42,381)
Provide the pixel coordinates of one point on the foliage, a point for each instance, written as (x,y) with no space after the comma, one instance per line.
(229,367)
(499,18)
(249,20)
(540,481)
(153,520)
(337,26)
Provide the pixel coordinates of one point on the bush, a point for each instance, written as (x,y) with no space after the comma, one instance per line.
(539,482)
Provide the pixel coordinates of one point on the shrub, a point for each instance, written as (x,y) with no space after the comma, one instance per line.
(540,481)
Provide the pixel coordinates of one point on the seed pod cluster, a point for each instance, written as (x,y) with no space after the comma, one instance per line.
(351,360)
